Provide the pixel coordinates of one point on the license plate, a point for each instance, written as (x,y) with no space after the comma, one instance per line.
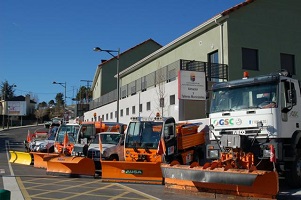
(239,132)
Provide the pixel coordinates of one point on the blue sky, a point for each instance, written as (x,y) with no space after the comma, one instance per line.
(42,41)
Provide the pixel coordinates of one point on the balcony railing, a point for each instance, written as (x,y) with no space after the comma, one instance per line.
(214,72)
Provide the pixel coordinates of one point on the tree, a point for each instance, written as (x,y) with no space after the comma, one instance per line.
(40,113)
(161,94)
(84,94)
(59,99)
(58,110)
(7,90)
(51,103)
(42,105)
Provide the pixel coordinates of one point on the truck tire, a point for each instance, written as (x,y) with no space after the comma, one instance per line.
(113,158)
(51,149)
(198,156)
(293,176)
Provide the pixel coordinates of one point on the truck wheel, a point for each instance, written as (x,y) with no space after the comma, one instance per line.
(51,149)
(113,158)
(198,156)
(293,177)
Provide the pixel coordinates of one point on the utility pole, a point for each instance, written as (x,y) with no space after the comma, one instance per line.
(3,112)
(88,86)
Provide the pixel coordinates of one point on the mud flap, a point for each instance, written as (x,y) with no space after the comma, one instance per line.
(70,166)
(132,172)
(260,184)
(40,159)
(20,157)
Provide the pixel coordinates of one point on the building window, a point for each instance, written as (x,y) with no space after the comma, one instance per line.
(121,112)
(111,115)
(133,109)
(99,118)
(115,114)
(148,105)
(250,59)
(213,66)
(172,99)
(102,117)
(140,107)
(127,111)
(287,62)
(107,116)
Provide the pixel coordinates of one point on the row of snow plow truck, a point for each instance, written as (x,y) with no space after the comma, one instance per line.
(255,138)
(41,158)
(148,143)
(73,150)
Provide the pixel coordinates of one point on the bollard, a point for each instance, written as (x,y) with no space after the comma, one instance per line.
(4,194)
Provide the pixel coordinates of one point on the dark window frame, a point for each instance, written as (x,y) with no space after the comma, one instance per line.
(250,59)
(287,62)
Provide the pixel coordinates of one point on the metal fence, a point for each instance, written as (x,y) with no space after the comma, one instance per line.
(214,72)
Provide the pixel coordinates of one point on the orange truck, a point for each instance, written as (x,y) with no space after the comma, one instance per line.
(148,143)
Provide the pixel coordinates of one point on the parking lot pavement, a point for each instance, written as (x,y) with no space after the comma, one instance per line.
(30,183)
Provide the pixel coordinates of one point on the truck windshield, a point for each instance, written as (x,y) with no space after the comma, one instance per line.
(143,134)
(72,132)
(107,138)
(247,97)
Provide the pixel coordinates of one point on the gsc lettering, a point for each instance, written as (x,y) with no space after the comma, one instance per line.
(223,122)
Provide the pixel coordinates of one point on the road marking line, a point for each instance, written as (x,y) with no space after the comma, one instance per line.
(10,183)
(137,191)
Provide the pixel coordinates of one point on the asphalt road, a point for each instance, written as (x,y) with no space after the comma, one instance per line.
(30,183)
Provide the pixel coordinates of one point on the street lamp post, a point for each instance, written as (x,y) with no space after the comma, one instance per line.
(118,54)
(64,86)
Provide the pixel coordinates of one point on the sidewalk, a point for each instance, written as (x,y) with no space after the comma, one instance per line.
(14,127)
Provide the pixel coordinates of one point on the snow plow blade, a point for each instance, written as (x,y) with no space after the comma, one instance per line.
(20,157)
(70,166)
(131,172)
(239,182)
(40,159)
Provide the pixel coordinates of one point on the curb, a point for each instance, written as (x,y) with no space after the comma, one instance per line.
(16,127)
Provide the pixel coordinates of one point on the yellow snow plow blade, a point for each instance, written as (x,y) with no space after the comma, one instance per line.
(239,182)
(132,172)
(20,157)
(40,159)
(70,166)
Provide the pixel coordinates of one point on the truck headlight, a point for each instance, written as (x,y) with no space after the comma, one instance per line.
(266,153)
(213,154)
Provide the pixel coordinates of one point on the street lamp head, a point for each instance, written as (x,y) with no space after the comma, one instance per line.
(97,49)
(54,82)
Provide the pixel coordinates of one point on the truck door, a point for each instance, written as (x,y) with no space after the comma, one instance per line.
(169,134)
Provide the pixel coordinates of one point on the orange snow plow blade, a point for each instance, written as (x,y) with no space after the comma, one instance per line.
(20,157)
(40,159)
(70,166)
(132,172)
(239,182)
